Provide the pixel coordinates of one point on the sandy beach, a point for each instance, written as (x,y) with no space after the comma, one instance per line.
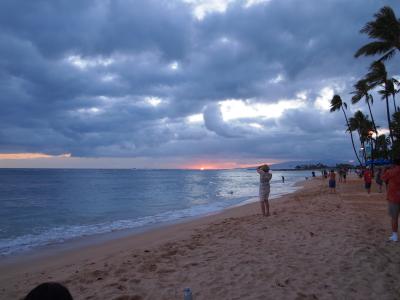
(315,245)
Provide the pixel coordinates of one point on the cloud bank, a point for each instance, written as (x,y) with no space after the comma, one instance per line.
(180,81)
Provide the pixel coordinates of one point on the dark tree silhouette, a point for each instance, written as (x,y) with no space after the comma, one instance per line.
(385,32)
(378,76)
(338,104)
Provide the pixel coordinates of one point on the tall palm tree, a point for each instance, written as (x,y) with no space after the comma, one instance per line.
(385,30)
(392,83)
(378,76)
(338,104)
(362,90)
(361,123)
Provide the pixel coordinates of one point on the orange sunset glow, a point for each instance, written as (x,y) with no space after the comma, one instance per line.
(31,155)
(226,165)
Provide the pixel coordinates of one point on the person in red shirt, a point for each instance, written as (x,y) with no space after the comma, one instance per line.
(368,180)
(392,175)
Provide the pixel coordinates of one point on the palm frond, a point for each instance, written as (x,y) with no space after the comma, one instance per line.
(385,31)
(361,89)
(382,26)
(377,74)
(356,98)
(384,93)
(388,55)
(336,103)
(390,86)
(373,48)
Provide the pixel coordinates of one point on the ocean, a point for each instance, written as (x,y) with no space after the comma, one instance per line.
(40,207)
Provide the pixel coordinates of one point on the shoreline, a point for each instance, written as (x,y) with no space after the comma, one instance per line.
(315,245)
(29,239)
(96,239)
(92,242)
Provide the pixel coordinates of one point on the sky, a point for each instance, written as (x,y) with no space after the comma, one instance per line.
(179,83)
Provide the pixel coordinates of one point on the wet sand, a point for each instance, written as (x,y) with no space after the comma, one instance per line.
(315,245)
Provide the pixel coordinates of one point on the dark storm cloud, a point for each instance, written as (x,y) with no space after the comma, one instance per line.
(97,27)
(119,78)
(306,41)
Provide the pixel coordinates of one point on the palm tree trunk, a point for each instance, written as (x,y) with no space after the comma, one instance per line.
(351,135)
(372,117)
(376,135)
(394,103)
(364,154)
(388,117)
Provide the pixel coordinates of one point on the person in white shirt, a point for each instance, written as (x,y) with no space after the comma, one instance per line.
(265,178)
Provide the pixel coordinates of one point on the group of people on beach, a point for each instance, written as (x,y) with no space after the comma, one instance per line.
(367,174)
(389,175)
(342,172)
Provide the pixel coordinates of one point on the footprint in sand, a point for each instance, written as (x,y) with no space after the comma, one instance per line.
(135,281)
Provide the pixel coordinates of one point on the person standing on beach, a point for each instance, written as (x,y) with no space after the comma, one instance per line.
(378,179)
(332,182)
(265,178)
(392,175)
(368,180)
(340,175)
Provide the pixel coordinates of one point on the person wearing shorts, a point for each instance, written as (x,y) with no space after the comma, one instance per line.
(378,179)
(368,180)
(265,178)
(392,175)
(332,182)
(344,175)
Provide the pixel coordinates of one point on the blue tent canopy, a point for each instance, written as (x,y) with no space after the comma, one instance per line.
(378,162)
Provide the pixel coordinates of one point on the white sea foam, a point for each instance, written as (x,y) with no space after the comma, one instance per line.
(243,190)
(61,234)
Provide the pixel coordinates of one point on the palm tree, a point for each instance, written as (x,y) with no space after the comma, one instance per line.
(377,76)
(382,147)
(362,90)
(361,123)
(392,83)
(337,104)
(385,30)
